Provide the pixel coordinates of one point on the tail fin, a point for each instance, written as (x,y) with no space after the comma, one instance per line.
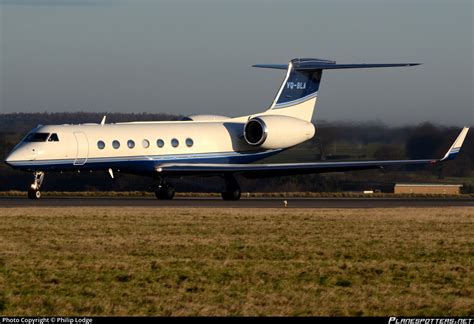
(299,91)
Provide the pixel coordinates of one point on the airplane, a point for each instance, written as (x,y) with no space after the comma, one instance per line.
(200,145)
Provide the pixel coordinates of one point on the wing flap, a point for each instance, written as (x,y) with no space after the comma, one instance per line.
(279,168)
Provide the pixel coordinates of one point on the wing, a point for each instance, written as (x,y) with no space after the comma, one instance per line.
(279,169)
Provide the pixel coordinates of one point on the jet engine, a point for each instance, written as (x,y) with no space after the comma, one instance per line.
(272,131)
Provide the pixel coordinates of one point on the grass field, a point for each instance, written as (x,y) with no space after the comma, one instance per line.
(147,261)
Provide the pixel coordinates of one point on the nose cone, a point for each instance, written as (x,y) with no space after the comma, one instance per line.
(20,154)
(12,158)
(9,159)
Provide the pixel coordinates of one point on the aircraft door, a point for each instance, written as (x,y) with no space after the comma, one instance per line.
(82,148)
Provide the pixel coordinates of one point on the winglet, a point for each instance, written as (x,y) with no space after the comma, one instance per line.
(456,147)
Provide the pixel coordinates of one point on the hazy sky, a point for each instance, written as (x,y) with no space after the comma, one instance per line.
(193,57)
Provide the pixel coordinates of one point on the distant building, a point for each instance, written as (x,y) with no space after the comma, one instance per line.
(368,186)
(425,188)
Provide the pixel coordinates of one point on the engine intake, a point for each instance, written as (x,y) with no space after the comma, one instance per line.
(255,131)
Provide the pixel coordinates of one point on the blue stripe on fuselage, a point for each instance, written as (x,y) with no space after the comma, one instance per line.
(144,165)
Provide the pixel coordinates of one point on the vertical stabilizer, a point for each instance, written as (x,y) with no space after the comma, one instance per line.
(298,93)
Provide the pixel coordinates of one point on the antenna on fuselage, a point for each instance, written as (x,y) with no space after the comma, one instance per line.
(102,123)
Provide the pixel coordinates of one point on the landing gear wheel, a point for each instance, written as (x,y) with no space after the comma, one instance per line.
(34,194)
(231,195)
(34,190)
(232,188)
(165,193)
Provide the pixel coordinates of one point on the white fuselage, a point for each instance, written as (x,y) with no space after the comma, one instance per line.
(138,147)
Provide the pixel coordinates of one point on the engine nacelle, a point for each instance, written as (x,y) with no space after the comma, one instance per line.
(272,131)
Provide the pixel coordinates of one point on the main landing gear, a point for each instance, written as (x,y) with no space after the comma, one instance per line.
(232,188)
(164,191)
(34,190)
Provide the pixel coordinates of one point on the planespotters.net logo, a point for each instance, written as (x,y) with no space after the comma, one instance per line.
(407,320)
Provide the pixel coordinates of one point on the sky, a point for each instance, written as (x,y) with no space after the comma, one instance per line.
(194,57)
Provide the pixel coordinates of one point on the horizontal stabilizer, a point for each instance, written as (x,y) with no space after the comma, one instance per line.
(272,66)
(318,64)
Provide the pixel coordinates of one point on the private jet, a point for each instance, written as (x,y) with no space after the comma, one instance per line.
(200,145)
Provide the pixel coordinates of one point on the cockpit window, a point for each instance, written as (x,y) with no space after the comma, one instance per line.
(37,137)
(53,138)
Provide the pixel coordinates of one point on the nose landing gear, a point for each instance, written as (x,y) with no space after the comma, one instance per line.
(34,190)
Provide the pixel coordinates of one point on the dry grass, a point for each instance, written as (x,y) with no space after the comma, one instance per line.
(153,261)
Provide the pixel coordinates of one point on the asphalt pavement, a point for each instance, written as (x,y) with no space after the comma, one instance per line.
(10,202)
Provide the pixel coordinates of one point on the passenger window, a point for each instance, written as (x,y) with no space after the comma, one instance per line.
(115,144)
(100,145)
(53,138)
(160,143)
(130,144)
(145,143)
(174,142)
(189,142)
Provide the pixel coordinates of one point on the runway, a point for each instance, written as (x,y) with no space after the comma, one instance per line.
(14,202)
